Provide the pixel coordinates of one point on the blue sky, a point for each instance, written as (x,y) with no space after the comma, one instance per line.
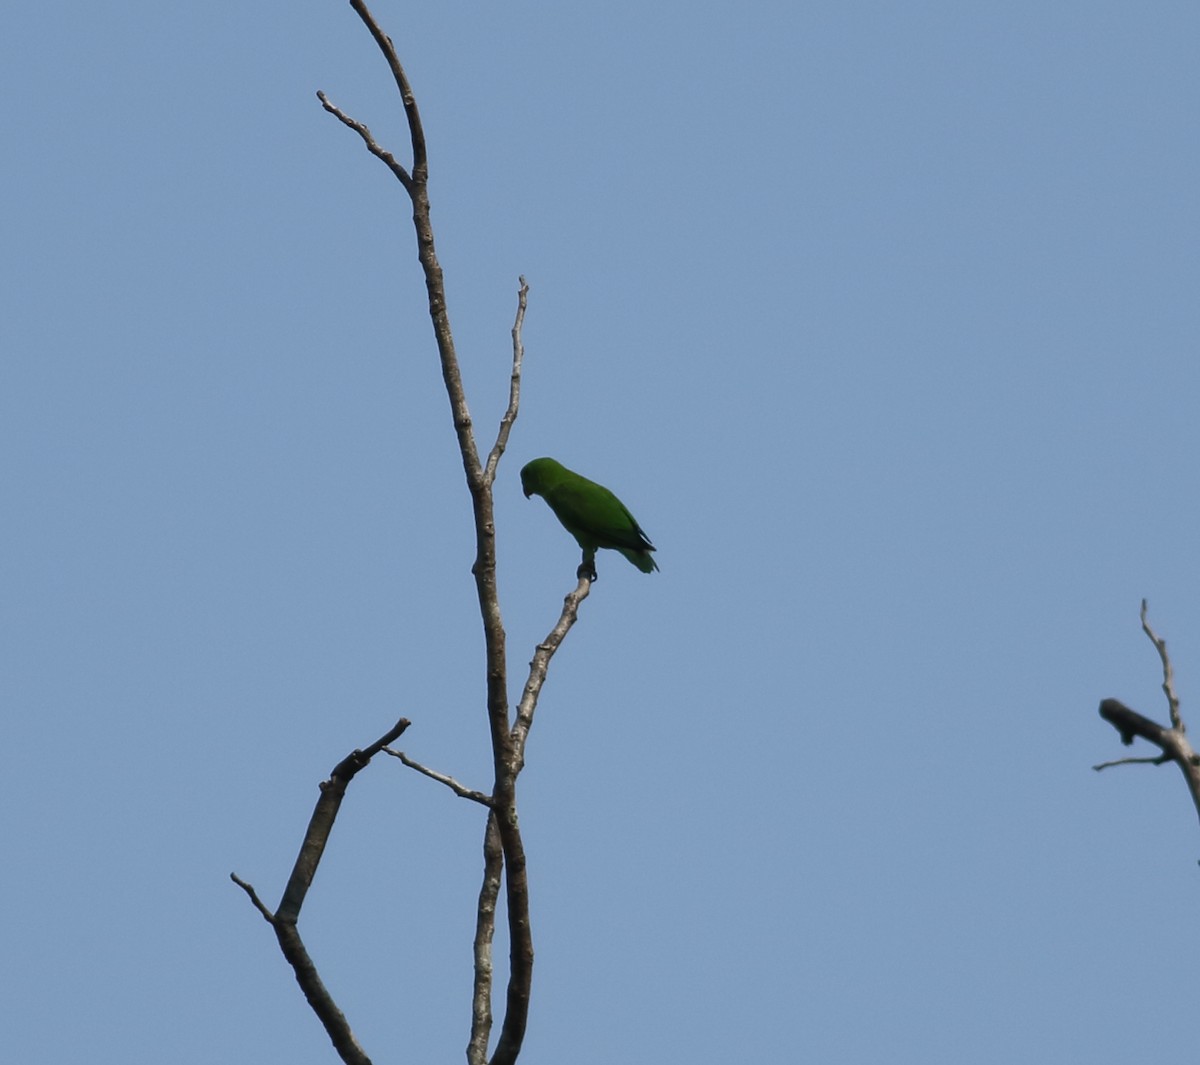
(881,318)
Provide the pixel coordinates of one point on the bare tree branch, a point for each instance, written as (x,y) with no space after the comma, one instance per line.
(417,189)
(1168,684)
(1160,760)
(284,920)
(258,903)
(514,388)
(539,666)
(504,792)
(1173,741)
(458,789)
(321,824)
(319,999)
(420,170)
(372,145)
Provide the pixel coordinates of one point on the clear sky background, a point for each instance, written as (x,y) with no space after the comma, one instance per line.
(881,317)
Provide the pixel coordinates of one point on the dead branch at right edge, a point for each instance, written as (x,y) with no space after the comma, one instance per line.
(1171,740)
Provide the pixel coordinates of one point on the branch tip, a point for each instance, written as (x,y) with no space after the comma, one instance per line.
(258,903)
(514,390)
(1168,682)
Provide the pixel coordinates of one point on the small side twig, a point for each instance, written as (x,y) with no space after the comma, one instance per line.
(1160,760)
(460,790)
(258,903)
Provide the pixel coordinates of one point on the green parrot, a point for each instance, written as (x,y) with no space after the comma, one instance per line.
(590,513)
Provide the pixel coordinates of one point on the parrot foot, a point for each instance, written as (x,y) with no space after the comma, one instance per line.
(587,571)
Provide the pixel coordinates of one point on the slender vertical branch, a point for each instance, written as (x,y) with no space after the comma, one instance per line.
(321,823)
(420,171)
(1168,684)
(514,388)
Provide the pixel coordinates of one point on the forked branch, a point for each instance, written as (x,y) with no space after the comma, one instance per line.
(1172,741)
(285,918)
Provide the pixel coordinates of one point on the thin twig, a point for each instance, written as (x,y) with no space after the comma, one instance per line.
(514,387)
(258,903)
(1160,760)
(458,789)
(1168,684)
